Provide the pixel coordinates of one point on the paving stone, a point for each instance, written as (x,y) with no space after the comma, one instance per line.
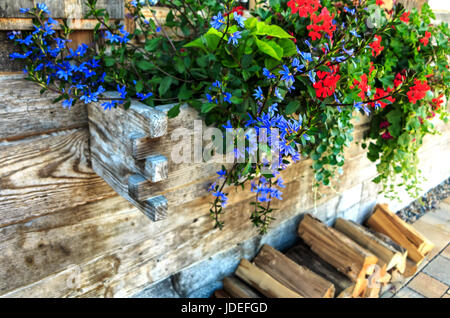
(435,225)
(439,268)
(427,286)
(406,292)
(446,252)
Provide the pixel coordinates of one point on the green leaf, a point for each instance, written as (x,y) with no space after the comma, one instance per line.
(292,107)
(174,111)
(270,48)
(271,30)
(109,61)
(288,46)
(184,93)
(207,107)
(145,65)
(165,85)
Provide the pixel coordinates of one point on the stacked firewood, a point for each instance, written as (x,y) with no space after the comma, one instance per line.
(347,260)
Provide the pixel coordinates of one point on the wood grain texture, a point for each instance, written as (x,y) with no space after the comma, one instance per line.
(45,175)
(303,255)
(24,112)
(335,248)
(61,8)
(388,256)
(238,289)
(292,275)
(263,282)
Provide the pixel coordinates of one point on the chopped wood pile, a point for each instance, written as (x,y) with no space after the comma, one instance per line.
(347,260)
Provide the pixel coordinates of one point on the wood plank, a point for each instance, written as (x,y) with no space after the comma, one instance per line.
(337,249)
(263,282)
(24,112)
(45,175)
(388,257)
(238,289)
(61,8)
(303,255)
(292,275)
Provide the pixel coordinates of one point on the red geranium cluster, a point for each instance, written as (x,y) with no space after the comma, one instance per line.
(426,38)
(362,85)
(376,46)
(437,102)
(326,86)
(399,79)
(405,17)
(321,23)
(381,94)
(304,7)
(380,2)
(418,91)
(239,10)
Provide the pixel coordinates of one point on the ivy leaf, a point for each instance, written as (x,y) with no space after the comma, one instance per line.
(207,107)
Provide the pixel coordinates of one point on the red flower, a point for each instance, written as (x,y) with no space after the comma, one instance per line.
(381,94)
(418,91)
(326,86)
(380,2)
(405,17)
(425,39)
(293,37)
(437,102)
(362,85)
(387,135)
(376,46)
(321,23)
(384,124)
(304,7)
(399,79)
(239,10)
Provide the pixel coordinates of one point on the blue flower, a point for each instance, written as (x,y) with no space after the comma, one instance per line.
(14,56)
(64,73)
(351,11)
(222,173)
(13,34)
(307,43)
(311,77)
(24,10)
(43,7)
(144,97)
(228,125)
(227,97)
(27,41)
(286,74)
(234,38)
(133,3)
(280,183)
(222,196)
(258,93)
(67,103)
(349,52)
(239,19)
(277,93)
(306,56)
(273,108)
(267,74)
(122,91)
(110,104)
(113,38)
(217,21)
(355,34)
(211,99)
(296,64)
(217,84)
(158,29)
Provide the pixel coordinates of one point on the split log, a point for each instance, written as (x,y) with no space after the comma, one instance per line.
(385,221)
(220,293)
(304,256)
(388,257)
(346,293)
(400,249)
(263,282)
(238,289)
(337,249)
(296,277)
(410,269)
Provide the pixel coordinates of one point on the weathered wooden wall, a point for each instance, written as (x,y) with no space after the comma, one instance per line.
(65,233)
